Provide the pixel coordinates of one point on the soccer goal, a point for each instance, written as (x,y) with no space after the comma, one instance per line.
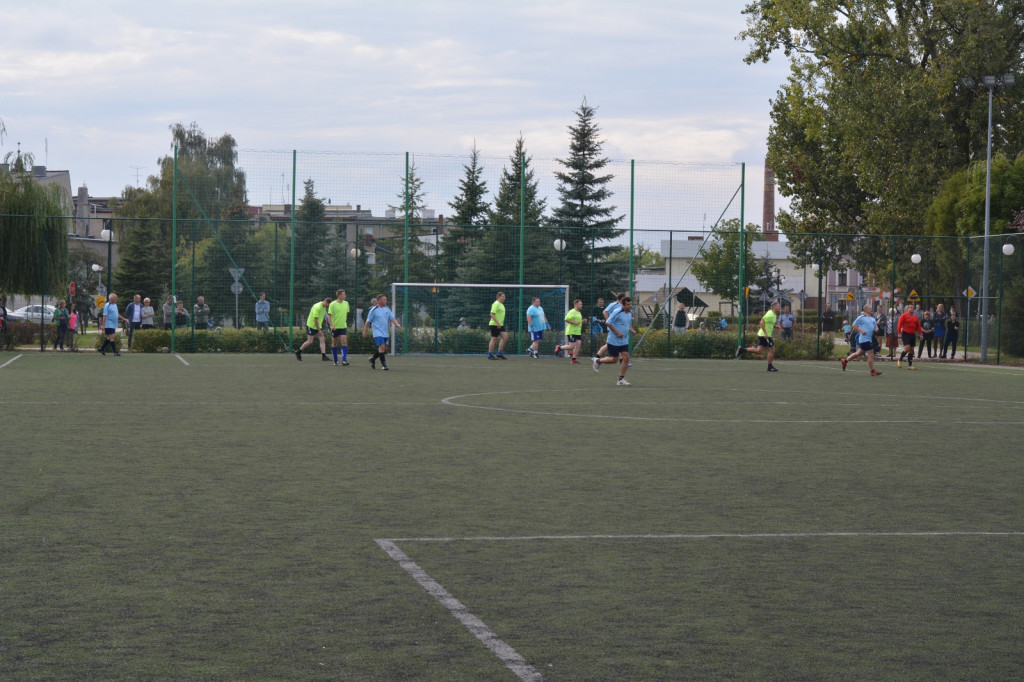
(439,317)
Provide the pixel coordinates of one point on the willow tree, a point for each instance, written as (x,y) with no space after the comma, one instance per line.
(34,232)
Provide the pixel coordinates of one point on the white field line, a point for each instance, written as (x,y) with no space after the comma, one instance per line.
(509,656)
(182,360)
(714,536)
(453,401)
(10,361)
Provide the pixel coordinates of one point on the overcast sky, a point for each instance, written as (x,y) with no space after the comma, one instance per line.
(92,87)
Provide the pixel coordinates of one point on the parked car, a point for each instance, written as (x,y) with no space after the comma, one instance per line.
(32,313)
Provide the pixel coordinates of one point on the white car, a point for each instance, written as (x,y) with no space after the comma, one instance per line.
(32,313)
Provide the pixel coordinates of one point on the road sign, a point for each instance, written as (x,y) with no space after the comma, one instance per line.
(236,288)
(913,298)
(236,272)
(969,292)
(71,289)
(849,295)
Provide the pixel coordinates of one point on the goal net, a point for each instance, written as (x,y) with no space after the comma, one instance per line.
(447,318)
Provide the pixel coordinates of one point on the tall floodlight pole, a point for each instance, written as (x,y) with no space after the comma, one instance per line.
(990,83)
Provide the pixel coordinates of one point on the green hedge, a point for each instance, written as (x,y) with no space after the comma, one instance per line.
(693,344)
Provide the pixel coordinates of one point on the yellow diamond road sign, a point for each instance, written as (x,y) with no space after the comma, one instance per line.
(849,295)
(969,292)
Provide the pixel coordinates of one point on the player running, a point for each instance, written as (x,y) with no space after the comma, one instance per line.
(573,331)
(865,326)
(908,327)
(764,337)
(497,327)
(620,324)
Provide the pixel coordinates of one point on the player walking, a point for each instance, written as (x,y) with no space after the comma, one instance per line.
(908,327)
(764,337)
(337,316)
(536,323)
(379,319)
(497,327)
(314,324)
(865,326)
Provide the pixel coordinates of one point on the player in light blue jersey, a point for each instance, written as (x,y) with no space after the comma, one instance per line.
(864,326)
(379,320)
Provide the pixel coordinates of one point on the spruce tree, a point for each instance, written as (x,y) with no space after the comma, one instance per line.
(464,226)
(585,223)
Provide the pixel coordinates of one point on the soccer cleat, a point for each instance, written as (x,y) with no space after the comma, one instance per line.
(899,364)
(343,363)
(325,358)
(875,373)
(373,364)
(912,367)
(622,382)
(843,360)
(501,356)
(597,363)
(575,361)
(772,368)
(335,363)
(116,354)
(383,367)
(298,355)
(741,351)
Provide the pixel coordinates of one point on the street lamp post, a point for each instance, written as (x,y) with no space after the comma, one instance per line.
(779,280)
(990,83)
(108,236)
(1008,250)
(916,259)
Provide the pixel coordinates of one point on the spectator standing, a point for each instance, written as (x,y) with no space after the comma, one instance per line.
(828,319)
(597,318)
(180,315)
(263,312)
(786,321)
(133,314)
(462,324)
(148,314)
(60,318)
(927,334)
(201,313)
(952,334)
(72,327)
(168,312)
(680,322)
(3,315)
(939,318)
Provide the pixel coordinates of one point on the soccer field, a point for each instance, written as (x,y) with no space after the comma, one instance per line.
(218,516)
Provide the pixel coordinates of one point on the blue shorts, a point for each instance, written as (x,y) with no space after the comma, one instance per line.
(339,332)
(615,350)
(536,336)
(380,340)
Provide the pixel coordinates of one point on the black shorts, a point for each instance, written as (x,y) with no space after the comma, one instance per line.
(496,330)
(572,338)
(615,350)
(766,341)
(108,331)
(339,332)
(866,346)
(908,339)
(312,332)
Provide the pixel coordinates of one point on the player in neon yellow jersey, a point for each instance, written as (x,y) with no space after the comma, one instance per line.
(764,337)
(337,316)
(573,331)
(497,327)
(313,328)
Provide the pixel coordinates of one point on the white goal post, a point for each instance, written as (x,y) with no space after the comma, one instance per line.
(509,289)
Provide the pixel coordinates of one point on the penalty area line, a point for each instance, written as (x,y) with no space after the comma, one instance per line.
(10,361)
(183,361)
(509,656)
(722,536)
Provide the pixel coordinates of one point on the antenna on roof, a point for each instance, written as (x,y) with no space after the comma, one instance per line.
(136,169)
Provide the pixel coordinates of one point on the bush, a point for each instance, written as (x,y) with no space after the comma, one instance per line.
(21,333)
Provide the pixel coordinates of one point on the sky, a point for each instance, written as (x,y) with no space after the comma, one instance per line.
(92,87)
